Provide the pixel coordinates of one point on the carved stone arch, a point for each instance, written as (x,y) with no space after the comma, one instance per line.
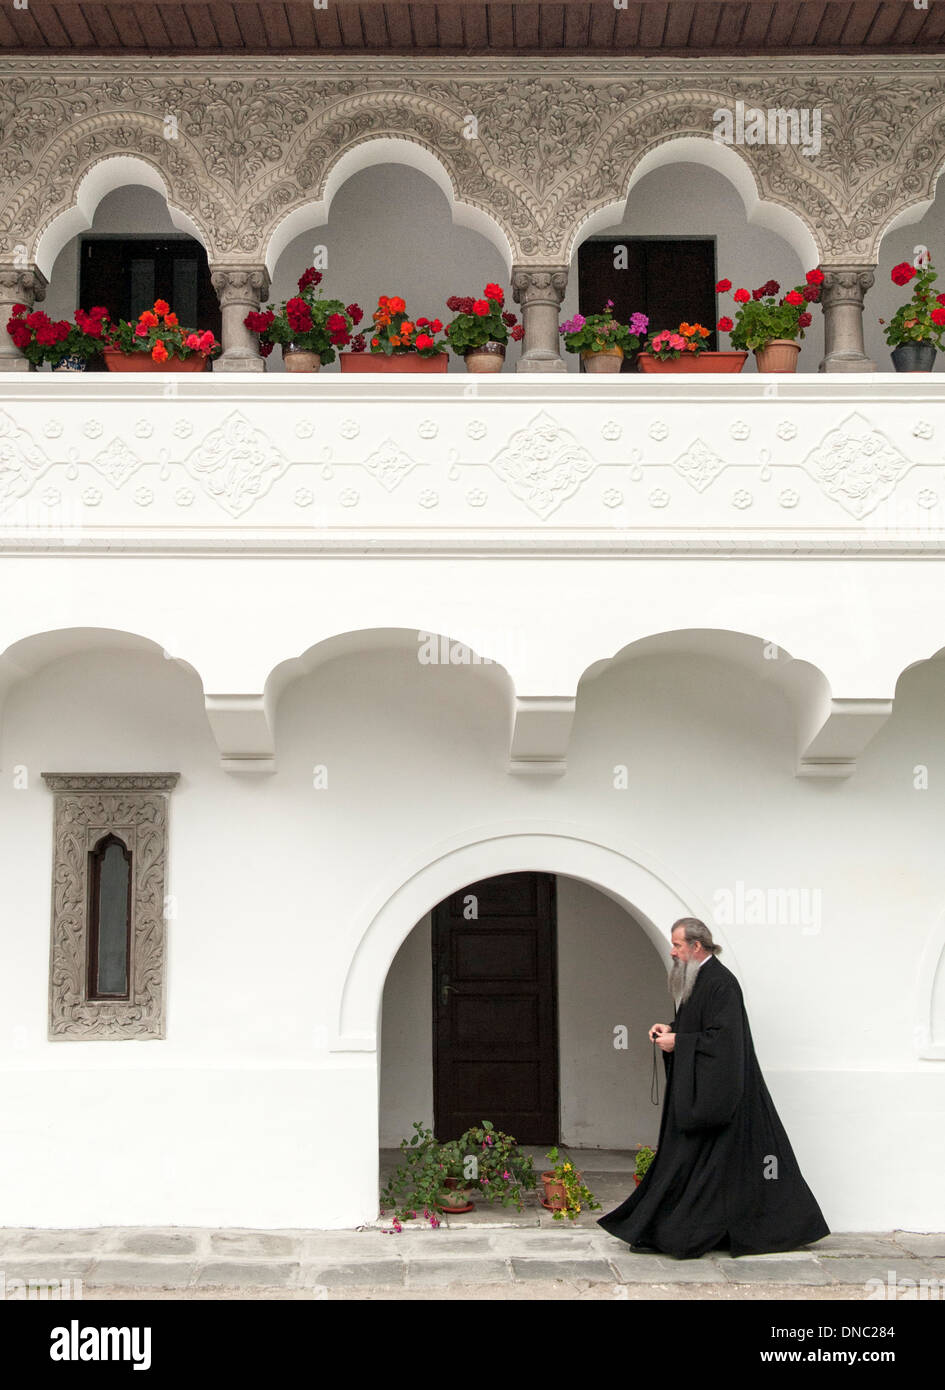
(482,191)
(909,191)
(600,182)
(102,152)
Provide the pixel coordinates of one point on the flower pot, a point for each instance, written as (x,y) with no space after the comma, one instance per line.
(490,357)
(453,1199)
(298,359)
(556,1197)
(118,361)
(780,355)
(71,364)
(914,357)
(694,362)
(607,360)
(397,362)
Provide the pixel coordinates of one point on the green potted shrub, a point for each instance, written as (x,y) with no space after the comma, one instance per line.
(769,326)
(601,340)
(438,1176)
(565,1190)
(915,332)
(481,329)
(308,327)
(645,1157)
(398,343)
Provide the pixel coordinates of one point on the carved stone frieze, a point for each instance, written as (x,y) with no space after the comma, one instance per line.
(554,141)
(132,806)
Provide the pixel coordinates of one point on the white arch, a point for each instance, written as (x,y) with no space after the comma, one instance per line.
(727,161)
(929,989)
(365,156)
(626,873)
(112,172)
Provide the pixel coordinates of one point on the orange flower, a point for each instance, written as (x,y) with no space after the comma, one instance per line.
(170,321)
(161,307)
(703,332)
(159,352)
(396,305)
(375,342)
(687,329)
(383,301)
(381,319)
(406,328)
(148,319)
(395,342)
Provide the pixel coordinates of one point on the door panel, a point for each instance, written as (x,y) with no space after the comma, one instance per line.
(495,1025)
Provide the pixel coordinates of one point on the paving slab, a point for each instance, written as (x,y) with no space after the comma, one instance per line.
(763,1269)
(330,1246)
(921,1244)
(46,1267)
(654,1269)
(566,1244)
(55,1242)
(353,1275)
(131,1273)
(426,1273)
(266,1243)
(852,1243)
(154,1242)
(594,1271)
(248,1273)
(844,1270)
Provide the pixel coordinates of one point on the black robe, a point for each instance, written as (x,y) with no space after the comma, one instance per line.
(719,1136)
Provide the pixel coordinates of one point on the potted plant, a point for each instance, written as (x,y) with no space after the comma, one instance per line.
(157,343)
(601,340)
(308,327)
(565,1192)
(916,329)
(481,329)
(645,1157)
(683,349)
(503,1172)
(35,334)
(770,326)
(398,343)
(442,1176)
(417,1183)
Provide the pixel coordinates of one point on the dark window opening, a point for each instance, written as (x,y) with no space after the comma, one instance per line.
(109,932)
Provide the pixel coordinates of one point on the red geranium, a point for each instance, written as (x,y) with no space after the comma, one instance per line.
(495,292)
(901,274)
(793,297)
(481,307)
(815,277)
(309,277)
(354,312)
(723,287)
(741,296)
(804,320)
(938,316)
(423,340)
(725,324)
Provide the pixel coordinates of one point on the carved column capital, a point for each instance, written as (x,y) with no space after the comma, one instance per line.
(539,289)
(240,288)
(841,299)
(18,285)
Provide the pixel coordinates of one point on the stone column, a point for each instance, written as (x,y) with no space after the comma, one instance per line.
(842,300)
(18,285)
(240,290)
(539,289)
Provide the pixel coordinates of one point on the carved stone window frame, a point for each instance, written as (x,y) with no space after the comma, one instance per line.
(133,806)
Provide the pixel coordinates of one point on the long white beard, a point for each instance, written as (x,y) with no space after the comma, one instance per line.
(682,977)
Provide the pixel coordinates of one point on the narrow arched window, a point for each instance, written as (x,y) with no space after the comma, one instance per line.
(109,919)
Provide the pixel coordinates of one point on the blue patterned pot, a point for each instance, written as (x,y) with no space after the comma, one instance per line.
(71,364)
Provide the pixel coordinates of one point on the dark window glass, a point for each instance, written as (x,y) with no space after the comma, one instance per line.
(109,919)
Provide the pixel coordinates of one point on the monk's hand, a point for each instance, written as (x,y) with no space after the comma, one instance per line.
(666,1041)
(657,1029)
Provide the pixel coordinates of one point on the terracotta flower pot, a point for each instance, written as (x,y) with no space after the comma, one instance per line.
(118,361)
(914,357)
(397,362)
(299,359)
(555,1195)
(780,355)
(488,358)
(694,362)
(607,360)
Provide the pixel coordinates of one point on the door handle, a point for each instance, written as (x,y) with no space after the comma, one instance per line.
(445,989)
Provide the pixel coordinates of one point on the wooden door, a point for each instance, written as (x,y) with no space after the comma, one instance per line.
(495,1015)
(668,280)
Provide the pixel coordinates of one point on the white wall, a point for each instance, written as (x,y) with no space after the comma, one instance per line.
(243,1116)
(608,976)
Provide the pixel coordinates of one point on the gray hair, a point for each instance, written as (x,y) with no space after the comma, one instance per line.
(697,932)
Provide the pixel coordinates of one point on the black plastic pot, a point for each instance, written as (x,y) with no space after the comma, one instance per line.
(914,357)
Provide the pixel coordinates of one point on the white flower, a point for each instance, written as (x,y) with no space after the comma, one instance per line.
(349,497)
(184,496)
(476,497)
(659,429)
(927,498)
(922,429)
(739,430)
(52,429)
(788,497)
(659,497)
(92,496)
(92,429)
(428,429)
(742,498)
(304,497)
(144,429)
(476,429)
(428,498)
(52,497)
(787,429)
(144,496)
(304,429)
(183,429)
(350,429)
(612,497)
(611,430)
